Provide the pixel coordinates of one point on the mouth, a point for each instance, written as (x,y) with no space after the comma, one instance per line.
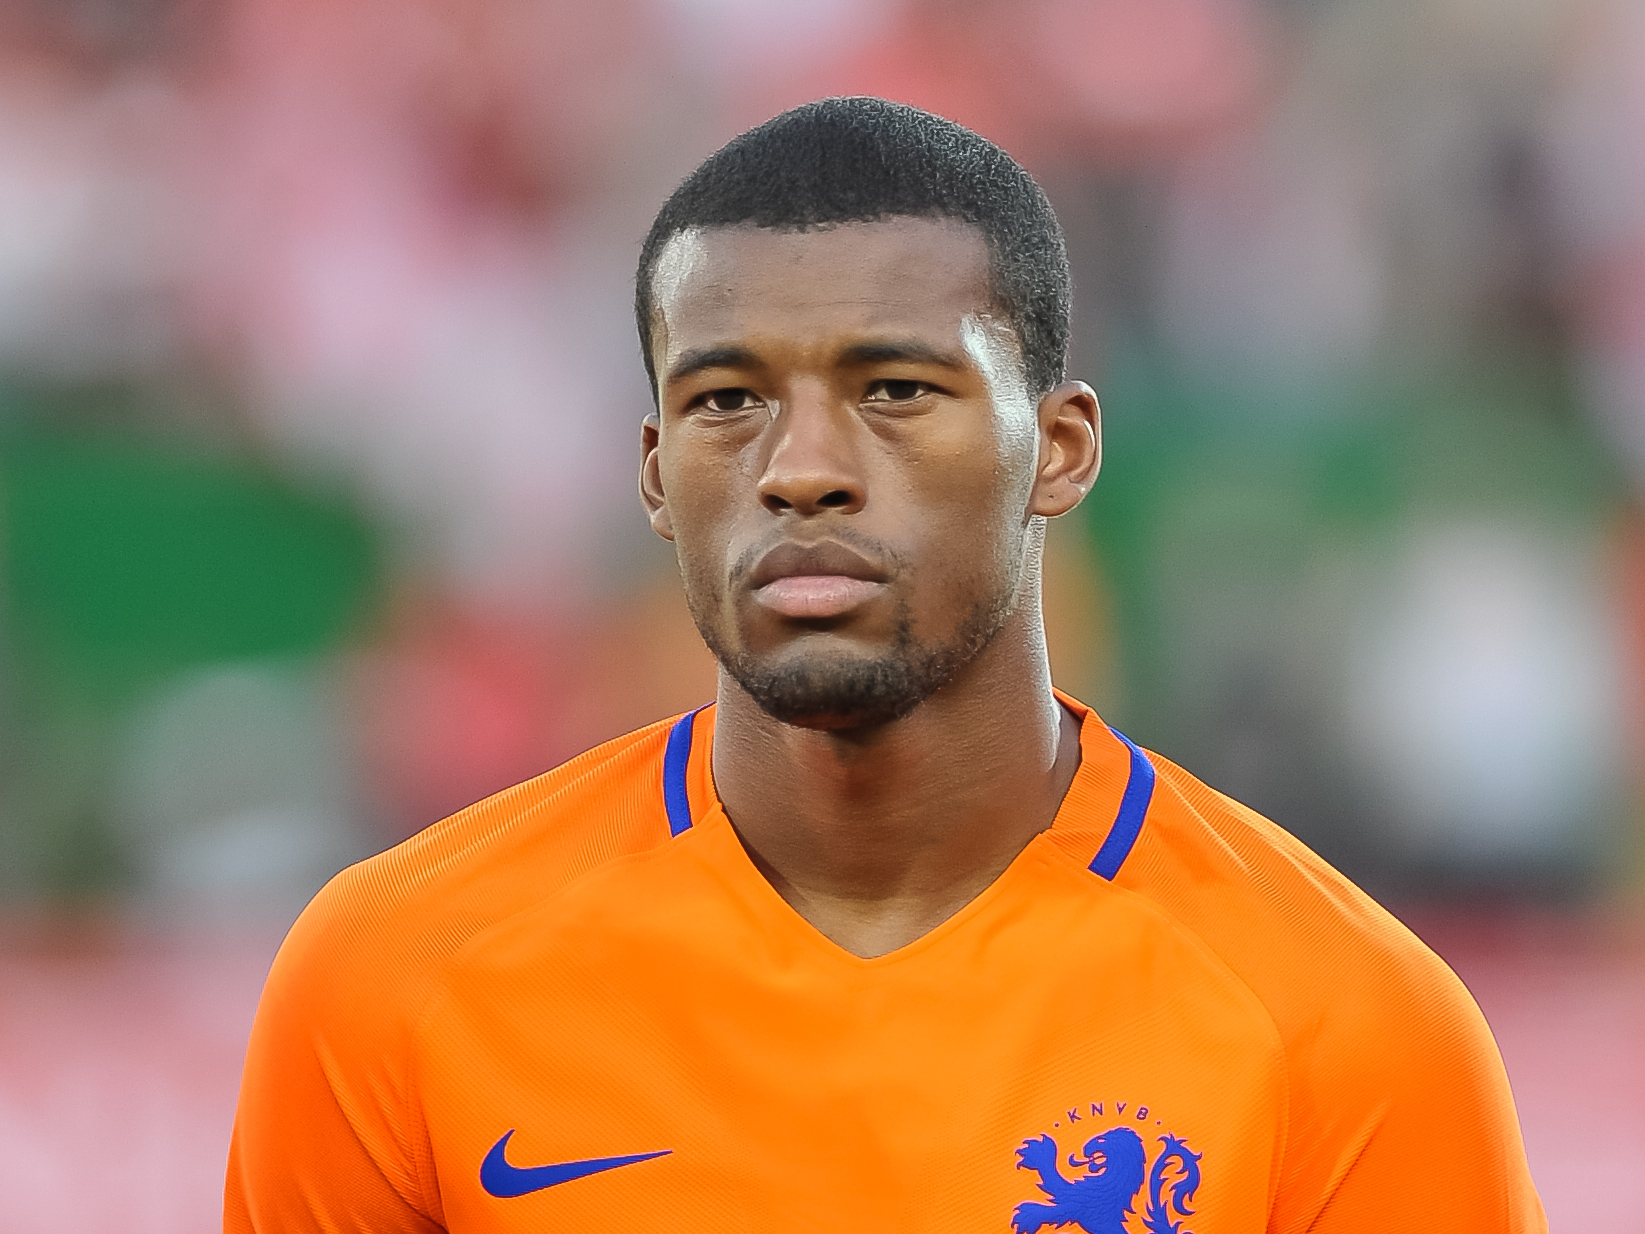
(815,582)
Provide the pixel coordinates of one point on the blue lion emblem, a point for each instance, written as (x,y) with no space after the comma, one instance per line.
(1099,1201)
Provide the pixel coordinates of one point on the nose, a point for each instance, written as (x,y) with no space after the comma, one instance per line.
(814,464)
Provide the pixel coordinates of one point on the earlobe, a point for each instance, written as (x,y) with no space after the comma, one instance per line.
(652,496)
(1070,448)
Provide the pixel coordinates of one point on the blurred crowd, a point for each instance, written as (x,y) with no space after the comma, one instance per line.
(319,401)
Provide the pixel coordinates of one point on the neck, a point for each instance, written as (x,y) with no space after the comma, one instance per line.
(877,836)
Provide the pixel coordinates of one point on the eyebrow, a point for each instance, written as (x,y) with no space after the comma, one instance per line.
(907,351)
(700,358)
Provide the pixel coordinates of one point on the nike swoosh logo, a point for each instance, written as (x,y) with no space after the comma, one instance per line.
(506,1181)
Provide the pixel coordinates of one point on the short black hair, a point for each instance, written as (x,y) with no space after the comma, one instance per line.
(863,159)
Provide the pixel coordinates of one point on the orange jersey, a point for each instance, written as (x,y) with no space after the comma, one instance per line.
(578,1006)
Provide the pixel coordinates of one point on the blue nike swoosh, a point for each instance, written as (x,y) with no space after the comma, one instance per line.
(506,1181)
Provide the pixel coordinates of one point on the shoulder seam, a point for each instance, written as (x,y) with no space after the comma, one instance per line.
(411,1106)
(1201,944)
(448,964)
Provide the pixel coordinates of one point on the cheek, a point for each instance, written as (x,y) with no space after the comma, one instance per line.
(971,503)
(980,481)
(701,501)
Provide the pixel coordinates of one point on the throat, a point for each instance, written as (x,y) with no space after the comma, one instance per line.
(877,845)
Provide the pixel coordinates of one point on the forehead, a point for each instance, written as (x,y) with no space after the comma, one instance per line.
(923,276)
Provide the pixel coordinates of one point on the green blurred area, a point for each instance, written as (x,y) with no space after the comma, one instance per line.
(1237,529)
(128,555)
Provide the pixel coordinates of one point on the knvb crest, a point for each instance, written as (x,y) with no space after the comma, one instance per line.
(1108,1175)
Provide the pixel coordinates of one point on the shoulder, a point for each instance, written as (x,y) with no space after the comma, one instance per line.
(1334,970)
(1388,1058)
(328,1102)
(369,948)
(1299,932)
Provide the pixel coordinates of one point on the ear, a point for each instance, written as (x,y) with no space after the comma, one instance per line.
(1070,448)
(652,496)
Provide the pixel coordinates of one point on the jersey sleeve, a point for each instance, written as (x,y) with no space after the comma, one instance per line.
(1405,1120)
(1399,1112)
(325,1137)
(330,1133)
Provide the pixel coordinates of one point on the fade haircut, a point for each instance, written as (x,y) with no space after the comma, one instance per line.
(860,160)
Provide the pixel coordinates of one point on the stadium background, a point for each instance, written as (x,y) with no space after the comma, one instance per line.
(318,405)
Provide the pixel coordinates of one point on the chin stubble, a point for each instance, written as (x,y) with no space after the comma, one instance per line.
(842,691)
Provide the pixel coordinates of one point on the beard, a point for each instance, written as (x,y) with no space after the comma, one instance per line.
(839,689)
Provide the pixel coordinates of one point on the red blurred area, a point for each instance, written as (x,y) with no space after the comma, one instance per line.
(520,100)
(450,704)
(1051,80)
(119,1062)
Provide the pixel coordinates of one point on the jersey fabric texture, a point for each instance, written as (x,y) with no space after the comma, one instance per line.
(578,1006)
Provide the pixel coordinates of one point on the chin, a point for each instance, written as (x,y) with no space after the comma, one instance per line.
(830,686)
(837,693)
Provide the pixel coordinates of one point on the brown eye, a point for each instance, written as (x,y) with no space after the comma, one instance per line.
(733,398)
(896,391)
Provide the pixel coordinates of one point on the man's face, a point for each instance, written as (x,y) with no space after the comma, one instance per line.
(844,455)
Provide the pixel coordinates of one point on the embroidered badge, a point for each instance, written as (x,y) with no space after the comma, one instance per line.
(1108,1174)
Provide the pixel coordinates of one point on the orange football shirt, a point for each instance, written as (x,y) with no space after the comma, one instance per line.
(578,1006)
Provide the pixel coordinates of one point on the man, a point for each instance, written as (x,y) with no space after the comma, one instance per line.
(892,937)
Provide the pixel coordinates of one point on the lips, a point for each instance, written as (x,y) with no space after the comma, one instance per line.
(815,581)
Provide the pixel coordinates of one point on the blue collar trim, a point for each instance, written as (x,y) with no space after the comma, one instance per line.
(676,758)
(1139,791)
(1122,836)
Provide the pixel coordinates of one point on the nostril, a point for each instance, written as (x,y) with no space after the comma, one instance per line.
(832,500)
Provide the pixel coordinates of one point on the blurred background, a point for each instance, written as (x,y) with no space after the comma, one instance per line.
(318,425)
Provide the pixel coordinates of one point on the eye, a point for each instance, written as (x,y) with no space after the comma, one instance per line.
(895,391)
(730,399)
